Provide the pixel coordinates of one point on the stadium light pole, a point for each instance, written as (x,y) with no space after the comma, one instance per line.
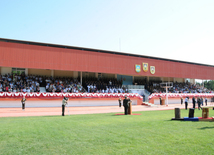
(166,95)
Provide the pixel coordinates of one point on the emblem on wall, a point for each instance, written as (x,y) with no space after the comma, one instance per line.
(152,69)
(145,67)
(138,68)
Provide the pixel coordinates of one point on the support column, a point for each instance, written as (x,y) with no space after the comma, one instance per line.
(194,81)
(26,71)
(174,80)
(75,74)
(147,78)
(203,83)
(81,78)
(96,75)
(162,79)
(115,76)
(52,73)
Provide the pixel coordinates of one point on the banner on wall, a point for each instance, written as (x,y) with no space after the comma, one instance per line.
(138,68)
(145,67)
(152,69)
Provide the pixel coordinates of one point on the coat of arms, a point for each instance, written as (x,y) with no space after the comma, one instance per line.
(138,68)
(145,67)
(152,69)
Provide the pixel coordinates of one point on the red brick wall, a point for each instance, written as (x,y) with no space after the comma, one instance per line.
(42,57)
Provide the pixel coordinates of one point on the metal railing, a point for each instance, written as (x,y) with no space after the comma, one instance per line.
(135,86)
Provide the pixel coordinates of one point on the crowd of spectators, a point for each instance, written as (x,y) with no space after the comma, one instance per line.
(32,83)
(20,83)
(62,84)
(103,85)
(188,88)
(178,87)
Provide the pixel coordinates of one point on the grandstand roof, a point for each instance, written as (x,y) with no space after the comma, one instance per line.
(95,50)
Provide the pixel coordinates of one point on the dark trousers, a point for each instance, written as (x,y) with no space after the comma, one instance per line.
(63,110)
(125,110)
(23,106)
(186,104)
(206,103)
(199,106)
(193,105)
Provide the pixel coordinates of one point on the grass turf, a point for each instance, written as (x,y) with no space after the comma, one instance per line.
(153,132)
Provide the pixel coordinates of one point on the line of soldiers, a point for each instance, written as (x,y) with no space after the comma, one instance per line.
(126,103)
(199,101)
(64,103)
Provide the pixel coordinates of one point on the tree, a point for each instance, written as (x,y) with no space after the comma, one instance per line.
(209,84)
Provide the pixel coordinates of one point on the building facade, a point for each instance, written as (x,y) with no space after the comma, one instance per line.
(60,60)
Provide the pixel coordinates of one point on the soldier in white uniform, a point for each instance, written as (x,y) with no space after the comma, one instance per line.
(186,102)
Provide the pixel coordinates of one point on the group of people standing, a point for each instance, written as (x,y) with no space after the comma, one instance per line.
(64,103)
(199,101)
(126,104)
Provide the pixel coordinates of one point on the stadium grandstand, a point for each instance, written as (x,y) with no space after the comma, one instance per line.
(41,67)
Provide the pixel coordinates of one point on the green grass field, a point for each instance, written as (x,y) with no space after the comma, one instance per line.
(153,132)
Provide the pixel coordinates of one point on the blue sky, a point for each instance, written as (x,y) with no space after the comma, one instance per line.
(174,29)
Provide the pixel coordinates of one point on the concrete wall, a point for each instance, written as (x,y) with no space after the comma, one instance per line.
(108,75)
(58,103)
(180,80)
(6,70)
(43,72)
(178,101)
(58,73)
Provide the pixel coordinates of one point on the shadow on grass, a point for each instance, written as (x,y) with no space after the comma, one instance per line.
(53,116)
(203,128)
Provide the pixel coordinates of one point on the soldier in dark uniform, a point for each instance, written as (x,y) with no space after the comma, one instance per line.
(202,101)
(199,103)
(126,105)
(193,102)
(206,101)
(64,102)
(23,103)
(181,100)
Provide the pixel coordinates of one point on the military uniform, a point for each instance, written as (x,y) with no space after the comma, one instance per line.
(186,103)
(181,100)
(64,102)
(126,105)
(199,103)
(119,102)
(23,103)
(193,102)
